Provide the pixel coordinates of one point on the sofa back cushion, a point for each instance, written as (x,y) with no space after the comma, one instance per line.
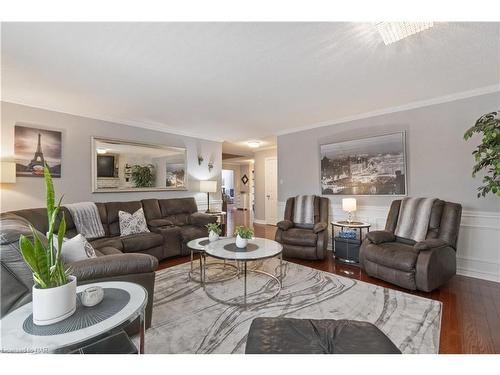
(38,219)
(151,209)
(444,222)
(177,210)
(16,277)
(321,210)
(112,209)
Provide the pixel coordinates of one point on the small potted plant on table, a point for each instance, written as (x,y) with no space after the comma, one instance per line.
(214,231)
(54,291)
(243,234)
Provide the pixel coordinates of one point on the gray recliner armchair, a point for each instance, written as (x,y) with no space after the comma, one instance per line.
(424,265)
(304,241)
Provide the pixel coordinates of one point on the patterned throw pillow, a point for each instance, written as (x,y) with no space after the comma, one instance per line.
(75,249)
(132,223)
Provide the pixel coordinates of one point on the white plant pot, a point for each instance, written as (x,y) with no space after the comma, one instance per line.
(212,236)
(241,242)
(54,304)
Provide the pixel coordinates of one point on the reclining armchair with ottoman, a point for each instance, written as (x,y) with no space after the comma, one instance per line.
(301,236)
(424,263)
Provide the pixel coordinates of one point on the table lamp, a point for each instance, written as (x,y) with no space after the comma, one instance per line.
(208,187)
(349,205)
(8,172)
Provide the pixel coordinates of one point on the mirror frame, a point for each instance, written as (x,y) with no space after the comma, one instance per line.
(95,139)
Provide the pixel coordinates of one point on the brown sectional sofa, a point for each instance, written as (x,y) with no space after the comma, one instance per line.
(133,258)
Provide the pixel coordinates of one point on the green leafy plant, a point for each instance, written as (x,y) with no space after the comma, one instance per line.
(142,176)
(244,232)
(214,227)
(44,261)
(487,154)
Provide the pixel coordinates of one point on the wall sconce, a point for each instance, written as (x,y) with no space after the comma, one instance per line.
(210,166)
(8,172)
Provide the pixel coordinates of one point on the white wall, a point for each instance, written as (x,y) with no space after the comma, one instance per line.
(439,165)
(75,183)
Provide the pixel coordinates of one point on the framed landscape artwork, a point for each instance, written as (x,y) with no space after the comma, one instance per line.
(176,176)
(369,166)
(33,148)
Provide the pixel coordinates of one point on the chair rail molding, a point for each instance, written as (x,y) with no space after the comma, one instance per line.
(478,246)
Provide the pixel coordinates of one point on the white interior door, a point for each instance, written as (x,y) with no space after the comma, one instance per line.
(271,197)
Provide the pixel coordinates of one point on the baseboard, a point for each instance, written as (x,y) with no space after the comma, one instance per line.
(479,269)
(478,242)
(258,221)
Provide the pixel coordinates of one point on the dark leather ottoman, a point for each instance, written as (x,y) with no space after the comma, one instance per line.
(309,336)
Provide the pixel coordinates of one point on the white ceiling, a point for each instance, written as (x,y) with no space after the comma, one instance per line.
(239,81)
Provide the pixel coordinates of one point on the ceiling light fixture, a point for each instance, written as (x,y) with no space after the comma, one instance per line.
(253,144)
(393,31)
(101,151)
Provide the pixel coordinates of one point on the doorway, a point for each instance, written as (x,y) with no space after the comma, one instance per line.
(228,185)
(271,189)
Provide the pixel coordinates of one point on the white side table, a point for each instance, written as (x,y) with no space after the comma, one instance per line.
(123,303)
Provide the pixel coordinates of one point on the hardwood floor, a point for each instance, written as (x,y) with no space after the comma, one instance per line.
(471,307)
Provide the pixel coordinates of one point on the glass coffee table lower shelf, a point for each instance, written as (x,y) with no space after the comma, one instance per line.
(218,271)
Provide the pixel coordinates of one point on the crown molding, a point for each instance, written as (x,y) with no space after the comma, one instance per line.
(272,147)
(137,124)
(405,107)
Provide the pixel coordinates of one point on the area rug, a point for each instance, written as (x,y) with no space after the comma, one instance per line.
(186,320)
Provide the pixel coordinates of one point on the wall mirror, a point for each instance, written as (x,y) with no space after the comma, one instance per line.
(130,166)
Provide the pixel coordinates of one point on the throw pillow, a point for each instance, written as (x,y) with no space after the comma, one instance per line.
(75,249)
(132,223)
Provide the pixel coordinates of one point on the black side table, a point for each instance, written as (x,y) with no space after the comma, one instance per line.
(346,249)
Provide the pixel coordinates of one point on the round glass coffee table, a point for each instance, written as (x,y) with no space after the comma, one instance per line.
(257,249)
(198,246)
(123,302)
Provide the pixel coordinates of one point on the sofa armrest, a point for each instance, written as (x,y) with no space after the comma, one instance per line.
(431,243)
(284,225)
(380,236)
(113,265)
(319,227)
(155,223)
(201,219)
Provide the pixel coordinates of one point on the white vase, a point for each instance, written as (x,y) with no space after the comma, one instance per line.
(213,236)
(54,304)
(241,242)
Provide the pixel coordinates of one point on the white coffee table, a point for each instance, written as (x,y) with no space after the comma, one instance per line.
(126,302)
(257,249)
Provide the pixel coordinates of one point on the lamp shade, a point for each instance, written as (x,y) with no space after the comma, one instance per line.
(349,204)
(208,186)
(8,172)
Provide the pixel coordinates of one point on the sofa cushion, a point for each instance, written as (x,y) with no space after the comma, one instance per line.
(112,209)
(155,223)
(395,255)
(177,206)
(115,242)
(141,241)
(299,236)
(191,232)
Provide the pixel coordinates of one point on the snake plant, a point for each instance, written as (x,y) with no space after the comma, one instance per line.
(42,258)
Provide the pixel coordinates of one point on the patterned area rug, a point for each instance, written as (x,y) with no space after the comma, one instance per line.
(186,320)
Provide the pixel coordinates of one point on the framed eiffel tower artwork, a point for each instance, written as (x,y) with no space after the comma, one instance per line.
(33,148)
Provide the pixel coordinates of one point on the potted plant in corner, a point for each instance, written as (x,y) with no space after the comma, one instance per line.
(54,290)
(214,231)
(243,234)
(487,154)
